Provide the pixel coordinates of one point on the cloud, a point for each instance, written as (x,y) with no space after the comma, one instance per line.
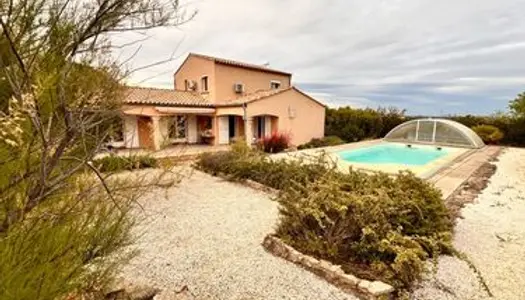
(430,57)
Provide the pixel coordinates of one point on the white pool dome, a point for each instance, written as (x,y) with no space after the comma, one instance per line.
(435,131)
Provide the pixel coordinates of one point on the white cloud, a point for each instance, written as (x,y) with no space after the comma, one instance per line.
(391,52)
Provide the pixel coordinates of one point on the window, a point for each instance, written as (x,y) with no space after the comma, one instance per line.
(177,129)
(275,84)
(186,85)
(204,84)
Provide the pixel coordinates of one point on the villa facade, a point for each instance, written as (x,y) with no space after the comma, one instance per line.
(216,101)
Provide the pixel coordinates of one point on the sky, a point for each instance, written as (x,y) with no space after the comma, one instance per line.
(426,56)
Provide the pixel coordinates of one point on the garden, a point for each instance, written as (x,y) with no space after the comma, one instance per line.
(377,227)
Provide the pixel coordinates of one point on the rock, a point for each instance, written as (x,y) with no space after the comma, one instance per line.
(349,280)
(364,285)
(378,288)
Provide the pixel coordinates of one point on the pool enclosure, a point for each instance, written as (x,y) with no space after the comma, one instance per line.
(435,131)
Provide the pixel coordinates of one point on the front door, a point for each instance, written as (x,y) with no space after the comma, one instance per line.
(144,125)
(224,130)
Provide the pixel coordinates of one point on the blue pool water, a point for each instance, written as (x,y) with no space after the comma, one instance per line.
(389,153)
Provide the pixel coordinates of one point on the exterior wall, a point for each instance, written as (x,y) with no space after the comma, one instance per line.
(237,111)
(194,68)
(130,132)
(226,76)
(297,115)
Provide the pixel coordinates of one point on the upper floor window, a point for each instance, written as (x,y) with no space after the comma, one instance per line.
(204,84)
(186,85)
(275,84)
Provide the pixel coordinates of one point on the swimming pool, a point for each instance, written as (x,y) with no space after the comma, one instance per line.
(392,153)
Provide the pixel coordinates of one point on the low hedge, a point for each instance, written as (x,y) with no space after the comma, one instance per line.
(376,226)
(122,163)
(326,141)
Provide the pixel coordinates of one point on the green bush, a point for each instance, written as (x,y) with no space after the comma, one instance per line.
(121,163)
(377,226)
(488,133)
(352,125)
(322,142)
(68,247)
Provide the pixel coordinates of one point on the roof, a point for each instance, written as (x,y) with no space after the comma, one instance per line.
(156,96)
(239,64)
(259,95)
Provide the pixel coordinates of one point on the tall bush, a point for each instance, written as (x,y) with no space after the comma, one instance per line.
(62,221)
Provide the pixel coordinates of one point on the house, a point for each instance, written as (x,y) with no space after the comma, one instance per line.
(216,101)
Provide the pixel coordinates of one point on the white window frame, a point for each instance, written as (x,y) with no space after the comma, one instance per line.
(272,82)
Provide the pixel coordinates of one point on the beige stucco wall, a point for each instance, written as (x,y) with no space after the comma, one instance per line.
(226,76)
(130,132)
(194,68)
(307,119)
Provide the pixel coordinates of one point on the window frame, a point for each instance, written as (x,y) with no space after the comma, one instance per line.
(278,82)
(205,79)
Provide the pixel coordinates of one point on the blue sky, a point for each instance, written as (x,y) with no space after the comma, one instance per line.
(429,57)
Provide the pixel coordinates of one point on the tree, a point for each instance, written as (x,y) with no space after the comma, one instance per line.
(517,106)
(62,222)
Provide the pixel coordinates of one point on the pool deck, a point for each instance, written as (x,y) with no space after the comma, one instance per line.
(451,177)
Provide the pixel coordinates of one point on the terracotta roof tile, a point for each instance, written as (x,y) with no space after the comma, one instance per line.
(156,96)
(239,64)
(266,94)
(256,96)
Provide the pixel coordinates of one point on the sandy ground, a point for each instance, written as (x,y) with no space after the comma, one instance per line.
(492,234)
(206,234)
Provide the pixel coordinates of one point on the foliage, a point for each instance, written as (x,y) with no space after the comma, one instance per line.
(517,106)
(114,163)
(377,226)
(354,125)
(274,143)
(243,163)
(45,256)
(512,128)
(322,142)
(60,93)
(488,133)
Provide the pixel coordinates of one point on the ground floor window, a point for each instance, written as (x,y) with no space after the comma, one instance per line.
(261,127)
(178,127)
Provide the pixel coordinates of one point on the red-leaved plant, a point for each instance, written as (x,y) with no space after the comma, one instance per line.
(274,143)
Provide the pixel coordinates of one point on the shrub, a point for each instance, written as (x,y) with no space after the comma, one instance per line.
(352,125)
(121,163)
(377,226)
(322,142)
(275,143)
(488,133)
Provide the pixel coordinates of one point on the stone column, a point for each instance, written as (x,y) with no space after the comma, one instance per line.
(248,130)
(156,134)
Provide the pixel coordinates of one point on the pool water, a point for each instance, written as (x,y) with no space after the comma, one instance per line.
(390,153)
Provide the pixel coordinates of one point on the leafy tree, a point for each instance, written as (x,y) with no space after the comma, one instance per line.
(517,106)
(63,224)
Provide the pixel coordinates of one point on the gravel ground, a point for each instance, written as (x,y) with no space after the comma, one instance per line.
(206,234)
(492,234)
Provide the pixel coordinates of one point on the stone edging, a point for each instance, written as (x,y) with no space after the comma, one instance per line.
(364,289)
